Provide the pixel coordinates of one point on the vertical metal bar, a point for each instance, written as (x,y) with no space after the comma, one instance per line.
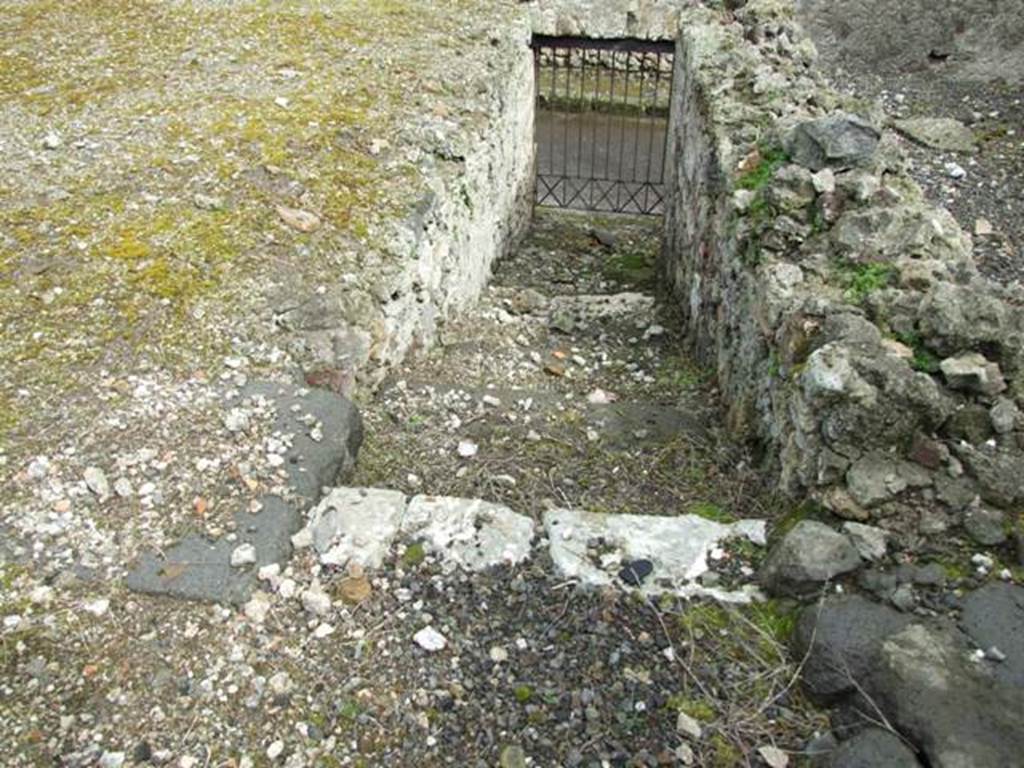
(622,134)
(654,119)
(565,134)
(594,114)
(639,122)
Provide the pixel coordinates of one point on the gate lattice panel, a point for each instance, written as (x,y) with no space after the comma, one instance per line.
(602,123)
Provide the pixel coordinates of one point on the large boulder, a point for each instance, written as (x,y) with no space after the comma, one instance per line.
(931,689)
(839,641)
(874,748)
(837,141)
(807,556)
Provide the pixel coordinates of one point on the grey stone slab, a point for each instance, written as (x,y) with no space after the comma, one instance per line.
(313,464)
(327,432)
(994,616)
(197,568)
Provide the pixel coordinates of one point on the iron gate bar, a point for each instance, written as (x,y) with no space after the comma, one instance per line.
(623,168)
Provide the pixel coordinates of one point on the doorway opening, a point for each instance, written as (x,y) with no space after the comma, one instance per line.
(602,123)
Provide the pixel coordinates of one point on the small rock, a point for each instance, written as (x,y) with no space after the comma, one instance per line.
(429,639)
(467,449)
(512,756)
(257,608)
(600,397)
(603,237)
(955,171)
(985,525)
(974,373)
(806,556)
(498,654)
(824,181)
(983,227)
(315,600)
(773,757)
(208,202)
(96,481)
(243,554)
(52,141)
(904,598)
(38,468)
(112,760)
(635,571)
(994,654)
(303,221)
(354,590)
(269,572)
(871,542)
(275,749)
(123,488)
(689,726)
(97,607)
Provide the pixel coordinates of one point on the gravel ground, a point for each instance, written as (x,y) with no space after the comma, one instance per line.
(991,192)
(534,671)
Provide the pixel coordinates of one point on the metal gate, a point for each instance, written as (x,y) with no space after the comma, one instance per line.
(602,123)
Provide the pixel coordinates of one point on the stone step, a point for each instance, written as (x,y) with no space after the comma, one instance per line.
(655,555)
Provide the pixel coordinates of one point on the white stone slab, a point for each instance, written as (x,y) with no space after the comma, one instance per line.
(678,548)
(356,524)
(472,533)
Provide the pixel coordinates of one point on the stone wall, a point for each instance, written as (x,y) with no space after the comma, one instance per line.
(643,19)
(852,336)
(476,201)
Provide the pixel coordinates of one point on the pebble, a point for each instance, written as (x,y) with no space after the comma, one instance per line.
(257,608)
(955,171)
(468,449)
(315,600)
(688,726)
(244,554)
(96,481)
(498,654)
(773,756)
(635,571)
(38,468)
(123,487)
(323,630)
(52,141)
(995,654)
(684,754)
(275,749)
(429,639)
(97,607)
(112,760)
